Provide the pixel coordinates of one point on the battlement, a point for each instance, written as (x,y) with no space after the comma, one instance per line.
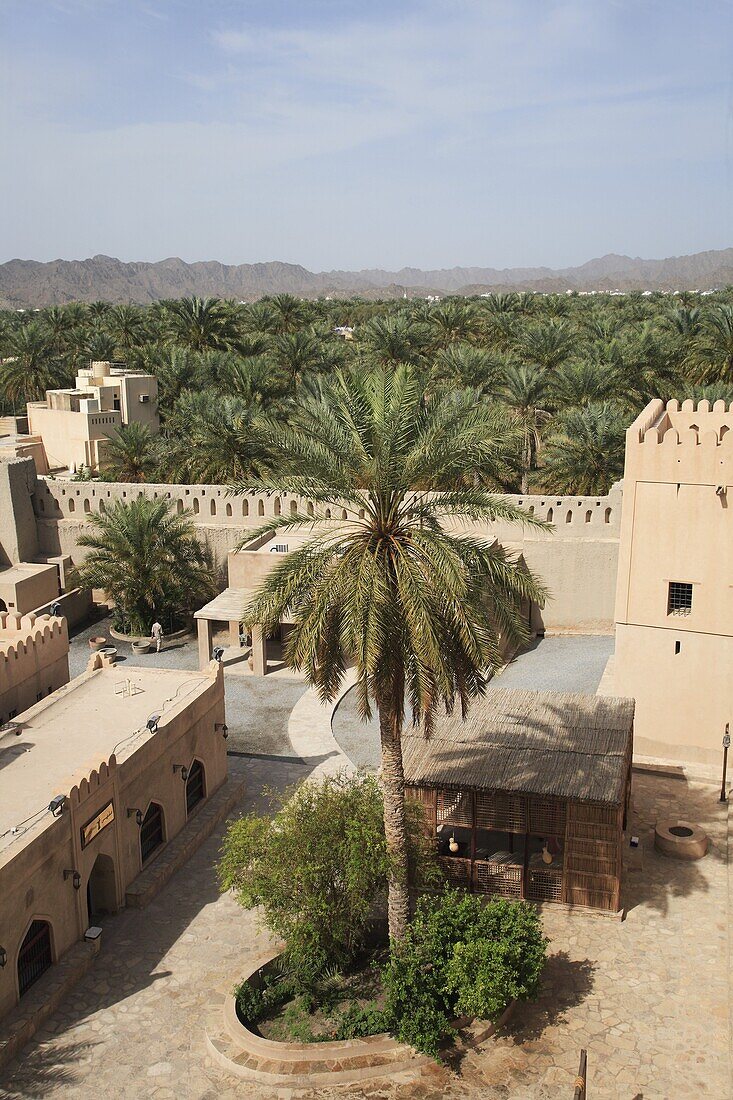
(689,423)
(689,443)
(21,635)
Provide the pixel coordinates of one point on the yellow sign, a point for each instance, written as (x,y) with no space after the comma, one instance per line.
(92,828)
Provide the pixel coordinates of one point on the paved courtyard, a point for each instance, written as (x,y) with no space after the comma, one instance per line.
(648,996)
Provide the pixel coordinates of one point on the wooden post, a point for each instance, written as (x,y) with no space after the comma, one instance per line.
(580,1081)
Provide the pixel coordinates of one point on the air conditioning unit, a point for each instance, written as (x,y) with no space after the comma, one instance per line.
(144,398)
(281,548)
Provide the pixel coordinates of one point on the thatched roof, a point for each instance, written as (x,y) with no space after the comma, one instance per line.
(530,742)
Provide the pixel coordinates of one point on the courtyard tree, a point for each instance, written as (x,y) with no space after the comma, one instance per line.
(148,560)
(419,609)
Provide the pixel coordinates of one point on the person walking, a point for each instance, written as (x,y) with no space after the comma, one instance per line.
(157,635)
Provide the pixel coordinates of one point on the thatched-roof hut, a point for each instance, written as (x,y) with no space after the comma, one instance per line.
(528,796)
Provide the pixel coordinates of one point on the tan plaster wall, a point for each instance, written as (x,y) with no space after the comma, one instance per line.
(34,660)
(676,527)
(67,436)
(578,561)
(22,594)
(18,532)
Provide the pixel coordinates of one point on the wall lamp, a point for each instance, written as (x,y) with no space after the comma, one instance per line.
(3,957)
(138,815)
(56,805)
(222,728)
(218,653)
(152,723)
(75,878)
(182,769)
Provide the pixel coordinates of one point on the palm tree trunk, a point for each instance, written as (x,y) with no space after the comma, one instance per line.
(395,830)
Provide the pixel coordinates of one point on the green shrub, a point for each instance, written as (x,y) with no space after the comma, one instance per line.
(318,867)
(461,955)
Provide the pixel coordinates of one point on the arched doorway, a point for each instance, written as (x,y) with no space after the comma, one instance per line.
(101,889)
(194,785)
(35,955)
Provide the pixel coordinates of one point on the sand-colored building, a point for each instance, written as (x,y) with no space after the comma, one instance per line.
(674,599)
(97,779)
(34,660)
(75,423)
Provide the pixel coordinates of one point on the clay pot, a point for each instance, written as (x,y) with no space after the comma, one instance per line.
(97,642)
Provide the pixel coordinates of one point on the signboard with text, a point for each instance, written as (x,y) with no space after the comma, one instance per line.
(100,821)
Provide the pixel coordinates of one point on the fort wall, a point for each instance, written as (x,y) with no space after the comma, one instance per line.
(577,559)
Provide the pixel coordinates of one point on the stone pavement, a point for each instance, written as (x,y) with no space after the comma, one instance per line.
(648,996)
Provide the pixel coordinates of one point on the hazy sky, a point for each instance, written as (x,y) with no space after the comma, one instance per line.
(333,133)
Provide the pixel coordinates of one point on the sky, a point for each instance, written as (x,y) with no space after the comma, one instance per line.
(344,134)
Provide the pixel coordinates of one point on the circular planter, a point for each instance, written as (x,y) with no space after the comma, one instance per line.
(244,1053)
(98,642)
(680,840)
(109,651)
(176,635)
(140,647)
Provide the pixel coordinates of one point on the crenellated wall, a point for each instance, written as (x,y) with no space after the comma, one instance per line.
(34,660)
(577,559)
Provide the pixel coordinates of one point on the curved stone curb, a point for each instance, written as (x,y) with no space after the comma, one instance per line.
(175,636)
(309,731)
(244,1054)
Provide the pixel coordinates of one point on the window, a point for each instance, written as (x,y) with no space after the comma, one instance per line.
(679,601)
(151,831)
(194,785)
(35,955)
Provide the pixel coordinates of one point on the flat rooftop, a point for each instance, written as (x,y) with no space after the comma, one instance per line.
(64,737)
(20,572)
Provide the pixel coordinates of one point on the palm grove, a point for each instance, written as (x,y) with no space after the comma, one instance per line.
(561,374)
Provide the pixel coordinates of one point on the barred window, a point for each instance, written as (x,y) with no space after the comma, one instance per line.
(679,601)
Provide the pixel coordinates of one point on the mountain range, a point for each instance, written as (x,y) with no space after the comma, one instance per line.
(29,284)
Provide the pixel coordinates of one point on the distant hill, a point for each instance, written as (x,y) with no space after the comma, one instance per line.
(28,284)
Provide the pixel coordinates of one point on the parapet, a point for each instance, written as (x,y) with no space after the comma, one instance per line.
(688,442)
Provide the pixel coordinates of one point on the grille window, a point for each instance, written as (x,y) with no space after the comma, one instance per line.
(194,786)
(151,831)
(35,955)
(679,601)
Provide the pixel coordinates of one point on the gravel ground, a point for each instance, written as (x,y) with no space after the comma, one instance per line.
(257,708)
(559,663)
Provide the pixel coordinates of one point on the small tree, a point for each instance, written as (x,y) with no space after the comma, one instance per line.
(461,956)
(318,867)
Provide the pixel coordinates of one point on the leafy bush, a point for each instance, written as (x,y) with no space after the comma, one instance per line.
(318,867)
(461,955)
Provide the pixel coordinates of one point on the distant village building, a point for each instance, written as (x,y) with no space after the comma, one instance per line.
(75,424)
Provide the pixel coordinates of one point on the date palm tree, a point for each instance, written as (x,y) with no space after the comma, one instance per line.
(419,606)
(149,561)
(201,324)
(525,392)
(213,439)
(32,367)
(130,455)
(585,454)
